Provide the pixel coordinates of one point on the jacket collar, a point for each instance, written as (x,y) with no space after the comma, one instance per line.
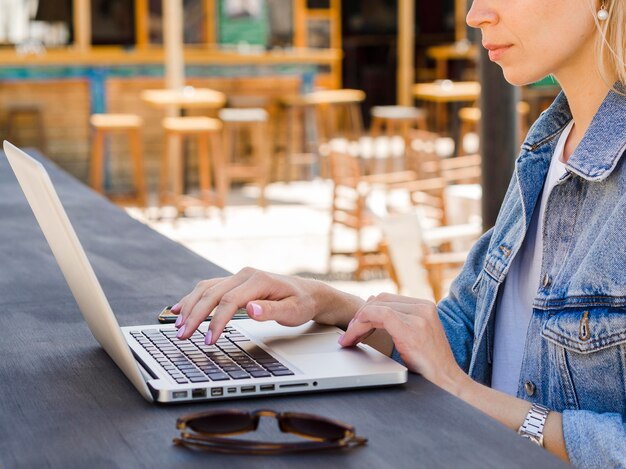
(603,144)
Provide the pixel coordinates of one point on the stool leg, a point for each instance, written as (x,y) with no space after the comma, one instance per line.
(219,155)
(179,171)
(138,172)
(390,132)
(97,160)
(375,127)
(204,168)
(262,159)
(164,179)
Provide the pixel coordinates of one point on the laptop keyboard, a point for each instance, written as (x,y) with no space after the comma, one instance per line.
(234,356)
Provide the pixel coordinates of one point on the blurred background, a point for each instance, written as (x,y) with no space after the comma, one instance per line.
(336,139)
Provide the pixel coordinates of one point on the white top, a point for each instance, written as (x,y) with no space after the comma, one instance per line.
(514,307)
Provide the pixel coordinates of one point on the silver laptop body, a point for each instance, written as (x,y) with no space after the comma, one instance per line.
(265,358)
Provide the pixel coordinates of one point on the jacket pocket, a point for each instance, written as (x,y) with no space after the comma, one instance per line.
(587,358)
(586,331)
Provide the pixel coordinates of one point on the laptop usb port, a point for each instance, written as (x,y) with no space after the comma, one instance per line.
(267,387)
(179,394)
(247,388)
(217,392)
(198,393)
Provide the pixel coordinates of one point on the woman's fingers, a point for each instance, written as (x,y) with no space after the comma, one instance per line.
(373,316)
(207,294)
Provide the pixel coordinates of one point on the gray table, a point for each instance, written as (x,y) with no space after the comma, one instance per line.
(65,404)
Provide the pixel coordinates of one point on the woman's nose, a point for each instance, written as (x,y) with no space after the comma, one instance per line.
(481,14)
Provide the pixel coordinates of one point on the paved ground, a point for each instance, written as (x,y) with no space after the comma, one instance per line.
(290,236)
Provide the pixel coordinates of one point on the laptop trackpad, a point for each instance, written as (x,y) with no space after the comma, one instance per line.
(304,344)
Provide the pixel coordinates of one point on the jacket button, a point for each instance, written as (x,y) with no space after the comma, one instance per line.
(529,387)
(546,280)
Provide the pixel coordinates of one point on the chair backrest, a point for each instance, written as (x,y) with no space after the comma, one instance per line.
(403,233)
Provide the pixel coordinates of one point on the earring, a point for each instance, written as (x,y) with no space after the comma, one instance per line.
(602,13)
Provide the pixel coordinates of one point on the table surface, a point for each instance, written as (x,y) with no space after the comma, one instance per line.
(188,97)
(447,91)
(65,404)
(458,50)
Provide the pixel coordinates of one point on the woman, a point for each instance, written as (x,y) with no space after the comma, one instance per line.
(538,313)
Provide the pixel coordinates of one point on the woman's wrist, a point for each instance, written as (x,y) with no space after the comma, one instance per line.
(334,307)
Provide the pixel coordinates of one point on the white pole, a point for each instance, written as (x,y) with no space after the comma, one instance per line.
(173,38)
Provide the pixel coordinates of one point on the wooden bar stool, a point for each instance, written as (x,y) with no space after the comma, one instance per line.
(337,115)
(256,167)
(396,121)
(298,150)
(18,112)
(208,134)
(130,124)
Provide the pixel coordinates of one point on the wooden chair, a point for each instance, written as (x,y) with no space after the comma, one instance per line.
(422,245)
(256,166)
(130,124)
(423,158)
(415,255)
(208,134)
(348,209)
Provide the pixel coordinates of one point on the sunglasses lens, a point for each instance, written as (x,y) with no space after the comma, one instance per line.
(221,424)
(314,427)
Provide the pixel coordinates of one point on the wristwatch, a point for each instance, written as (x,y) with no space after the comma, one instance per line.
(532,428)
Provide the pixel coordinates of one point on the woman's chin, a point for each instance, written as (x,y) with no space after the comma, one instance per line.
(519,79)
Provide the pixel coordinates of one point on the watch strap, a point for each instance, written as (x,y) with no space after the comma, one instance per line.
(532,428)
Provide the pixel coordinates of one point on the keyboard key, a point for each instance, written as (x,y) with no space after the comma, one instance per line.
(218,376)
(259,373)
(285,372)
(199,379)
(238,374)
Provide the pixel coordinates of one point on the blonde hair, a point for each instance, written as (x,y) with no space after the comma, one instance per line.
(611,43)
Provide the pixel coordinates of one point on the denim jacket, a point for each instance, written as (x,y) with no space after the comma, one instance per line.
(575,354)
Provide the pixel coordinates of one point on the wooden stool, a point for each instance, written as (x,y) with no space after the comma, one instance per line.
(397,121)
(298,150)
(131,125)
(208,133)
(236,121)
(15,113)
(338,115)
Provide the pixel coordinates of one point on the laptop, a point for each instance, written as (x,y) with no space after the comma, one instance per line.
(250,359)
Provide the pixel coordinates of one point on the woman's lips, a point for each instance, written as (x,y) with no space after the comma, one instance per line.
(496,51)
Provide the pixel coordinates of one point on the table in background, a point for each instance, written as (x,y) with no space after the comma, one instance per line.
(66,404)
(444,53)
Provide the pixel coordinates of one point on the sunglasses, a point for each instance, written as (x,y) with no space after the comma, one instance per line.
(207,430)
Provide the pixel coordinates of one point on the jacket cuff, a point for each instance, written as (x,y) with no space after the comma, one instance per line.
(594,440)
(396,356)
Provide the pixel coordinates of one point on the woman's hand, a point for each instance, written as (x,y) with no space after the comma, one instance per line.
(417,333)
(290,301)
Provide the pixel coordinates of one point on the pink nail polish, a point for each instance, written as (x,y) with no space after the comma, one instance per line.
(208,337)
(175,307)
(256,309)
(179,320)
(181,331)
(340,339)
